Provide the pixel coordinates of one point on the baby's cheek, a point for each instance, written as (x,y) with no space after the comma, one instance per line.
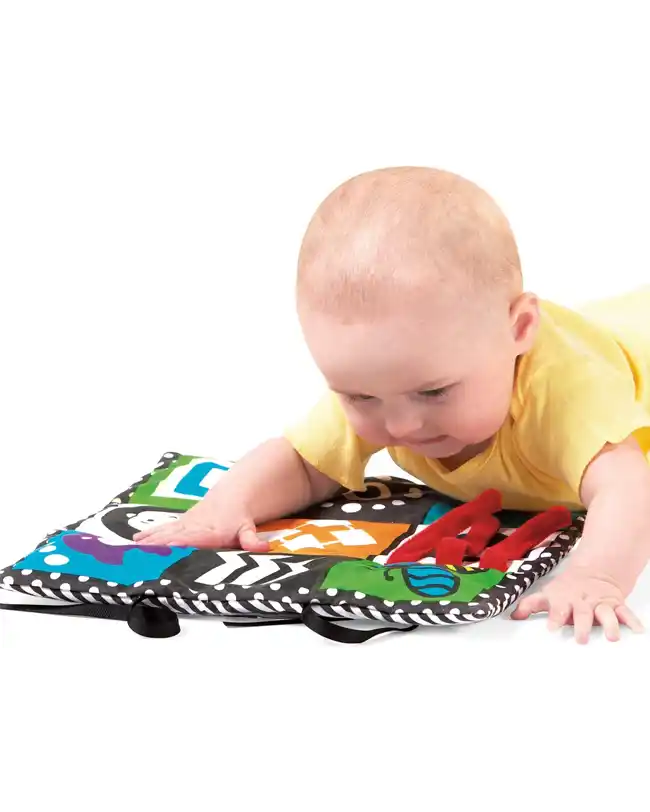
(372,431)
(463,420)
(481,423)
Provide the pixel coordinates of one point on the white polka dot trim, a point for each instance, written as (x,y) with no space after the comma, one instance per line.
(303,591)
(352,507)
(399,502)
(331,592)
(359,595)
(275,587)
(164,582)
(379,506)
(55,576)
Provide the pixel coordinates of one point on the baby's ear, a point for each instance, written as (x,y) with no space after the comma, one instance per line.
(524,319)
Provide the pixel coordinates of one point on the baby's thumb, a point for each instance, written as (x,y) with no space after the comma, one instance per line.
(249,540)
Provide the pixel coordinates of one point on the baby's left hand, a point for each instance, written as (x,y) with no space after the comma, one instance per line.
(581,597)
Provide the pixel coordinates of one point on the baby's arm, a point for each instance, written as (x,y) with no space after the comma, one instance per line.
(268,483)
(613,552)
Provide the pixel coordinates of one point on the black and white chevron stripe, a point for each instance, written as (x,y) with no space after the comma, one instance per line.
(237,568)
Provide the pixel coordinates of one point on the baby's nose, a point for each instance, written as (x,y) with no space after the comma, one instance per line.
(404,424)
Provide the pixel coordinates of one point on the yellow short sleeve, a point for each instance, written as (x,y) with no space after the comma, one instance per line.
(326,440)
(572,412)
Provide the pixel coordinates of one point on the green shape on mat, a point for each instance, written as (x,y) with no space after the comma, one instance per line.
(144,494)
(409,582)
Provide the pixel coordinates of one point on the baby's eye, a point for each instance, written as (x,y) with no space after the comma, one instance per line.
(435,393)
(359,398)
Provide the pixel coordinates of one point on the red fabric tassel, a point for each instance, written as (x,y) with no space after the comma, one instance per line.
(480,534)
(525,538)
(451,550)
(426,542)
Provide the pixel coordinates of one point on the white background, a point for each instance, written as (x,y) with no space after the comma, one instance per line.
(158,164)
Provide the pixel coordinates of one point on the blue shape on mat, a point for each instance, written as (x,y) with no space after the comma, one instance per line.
(137,563)
(190,485)
(437,511)
(430,580)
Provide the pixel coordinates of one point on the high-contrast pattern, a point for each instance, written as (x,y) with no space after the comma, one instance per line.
(341,558)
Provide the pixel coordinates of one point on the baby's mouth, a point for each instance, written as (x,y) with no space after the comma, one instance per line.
(428,441)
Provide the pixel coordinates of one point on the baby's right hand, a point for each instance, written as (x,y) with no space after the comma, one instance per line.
(201,527)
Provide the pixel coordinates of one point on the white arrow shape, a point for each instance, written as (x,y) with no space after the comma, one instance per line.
(296,567)
(262,568)
(232,561)
(265,567)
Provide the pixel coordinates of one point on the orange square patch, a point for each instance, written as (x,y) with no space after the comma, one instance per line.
(330,537)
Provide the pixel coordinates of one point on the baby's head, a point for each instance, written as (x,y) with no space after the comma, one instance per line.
(411,302)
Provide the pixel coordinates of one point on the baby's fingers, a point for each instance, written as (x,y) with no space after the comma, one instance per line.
(158,535)
(583,621)
(629,619)
(559,615)
(145,534)
(177,535)
(249,540)
(607,618)
(530,605)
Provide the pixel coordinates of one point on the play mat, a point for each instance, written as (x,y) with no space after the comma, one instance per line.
(397,554)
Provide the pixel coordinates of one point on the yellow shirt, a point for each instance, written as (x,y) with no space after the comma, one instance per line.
(585,383)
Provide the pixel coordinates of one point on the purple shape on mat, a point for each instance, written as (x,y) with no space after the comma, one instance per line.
(107,553)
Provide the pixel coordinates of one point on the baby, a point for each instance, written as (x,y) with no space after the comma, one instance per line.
(411,302)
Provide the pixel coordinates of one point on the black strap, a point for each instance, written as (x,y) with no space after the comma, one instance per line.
(343,634)
(150,621)
(147,621)
(271,621)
